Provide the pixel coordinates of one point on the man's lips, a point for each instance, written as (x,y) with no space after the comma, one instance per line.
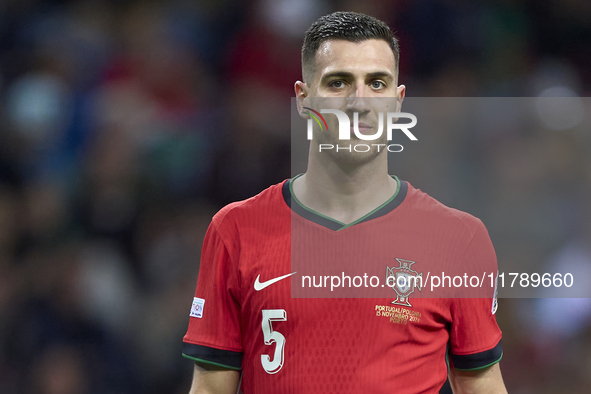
(363,128)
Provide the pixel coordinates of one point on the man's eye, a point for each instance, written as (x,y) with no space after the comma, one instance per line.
(337,84)
(377,85)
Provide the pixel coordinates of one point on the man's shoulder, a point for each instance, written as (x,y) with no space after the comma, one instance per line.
(266,203)
(428,207)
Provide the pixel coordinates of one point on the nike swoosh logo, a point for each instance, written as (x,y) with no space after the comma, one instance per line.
(258,286)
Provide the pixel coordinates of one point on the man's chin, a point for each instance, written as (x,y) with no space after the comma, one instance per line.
(351,154)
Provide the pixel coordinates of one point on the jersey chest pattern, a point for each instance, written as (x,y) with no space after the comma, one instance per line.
(337,344)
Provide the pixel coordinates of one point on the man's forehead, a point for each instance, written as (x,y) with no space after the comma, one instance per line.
(367,56)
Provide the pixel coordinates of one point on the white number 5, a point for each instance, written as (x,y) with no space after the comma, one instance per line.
(270,336)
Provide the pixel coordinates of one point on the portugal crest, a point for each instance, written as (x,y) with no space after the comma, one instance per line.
(403,281)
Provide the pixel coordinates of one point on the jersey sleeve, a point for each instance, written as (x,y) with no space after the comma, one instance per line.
(475,337)
(213,335)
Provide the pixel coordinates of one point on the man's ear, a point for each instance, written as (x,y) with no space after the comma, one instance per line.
(400,94)
(301,92)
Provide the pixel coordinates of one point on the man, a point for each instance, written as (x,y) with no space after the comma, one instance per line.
(244,318)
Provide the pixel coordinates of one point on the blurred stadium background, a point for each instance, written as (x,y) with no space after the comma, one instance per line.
(124,125)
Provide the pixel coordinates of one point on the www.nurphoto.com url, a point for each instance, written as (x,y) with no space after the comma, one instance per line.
(436,281)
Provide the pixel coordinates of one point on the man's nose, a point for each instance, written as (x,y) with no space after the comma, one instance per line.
(359,100)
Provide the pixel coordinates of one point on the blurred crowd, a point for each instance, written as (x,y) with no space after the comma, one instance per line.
(125,125)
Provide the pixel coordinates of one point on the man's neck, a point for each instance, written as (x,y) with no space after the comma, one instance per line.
(345,193)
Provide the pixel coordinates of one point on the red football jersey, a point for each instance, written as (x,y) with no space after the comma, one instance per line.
(247,314)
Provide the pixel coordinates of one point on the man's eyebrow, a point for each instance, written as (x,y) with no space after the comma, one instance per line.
(338,74)
(380,74)
(348,75)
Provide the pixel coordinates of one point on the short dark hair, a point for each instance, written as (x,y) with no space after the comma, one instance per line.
(349,26)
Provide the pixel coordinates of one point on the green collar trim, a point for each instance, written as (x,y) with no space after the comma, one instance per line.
(333,224)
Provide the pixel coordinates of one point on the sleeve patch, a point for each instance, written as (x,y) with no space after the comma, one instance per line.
(197,308)
(478,360)
(209,355)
